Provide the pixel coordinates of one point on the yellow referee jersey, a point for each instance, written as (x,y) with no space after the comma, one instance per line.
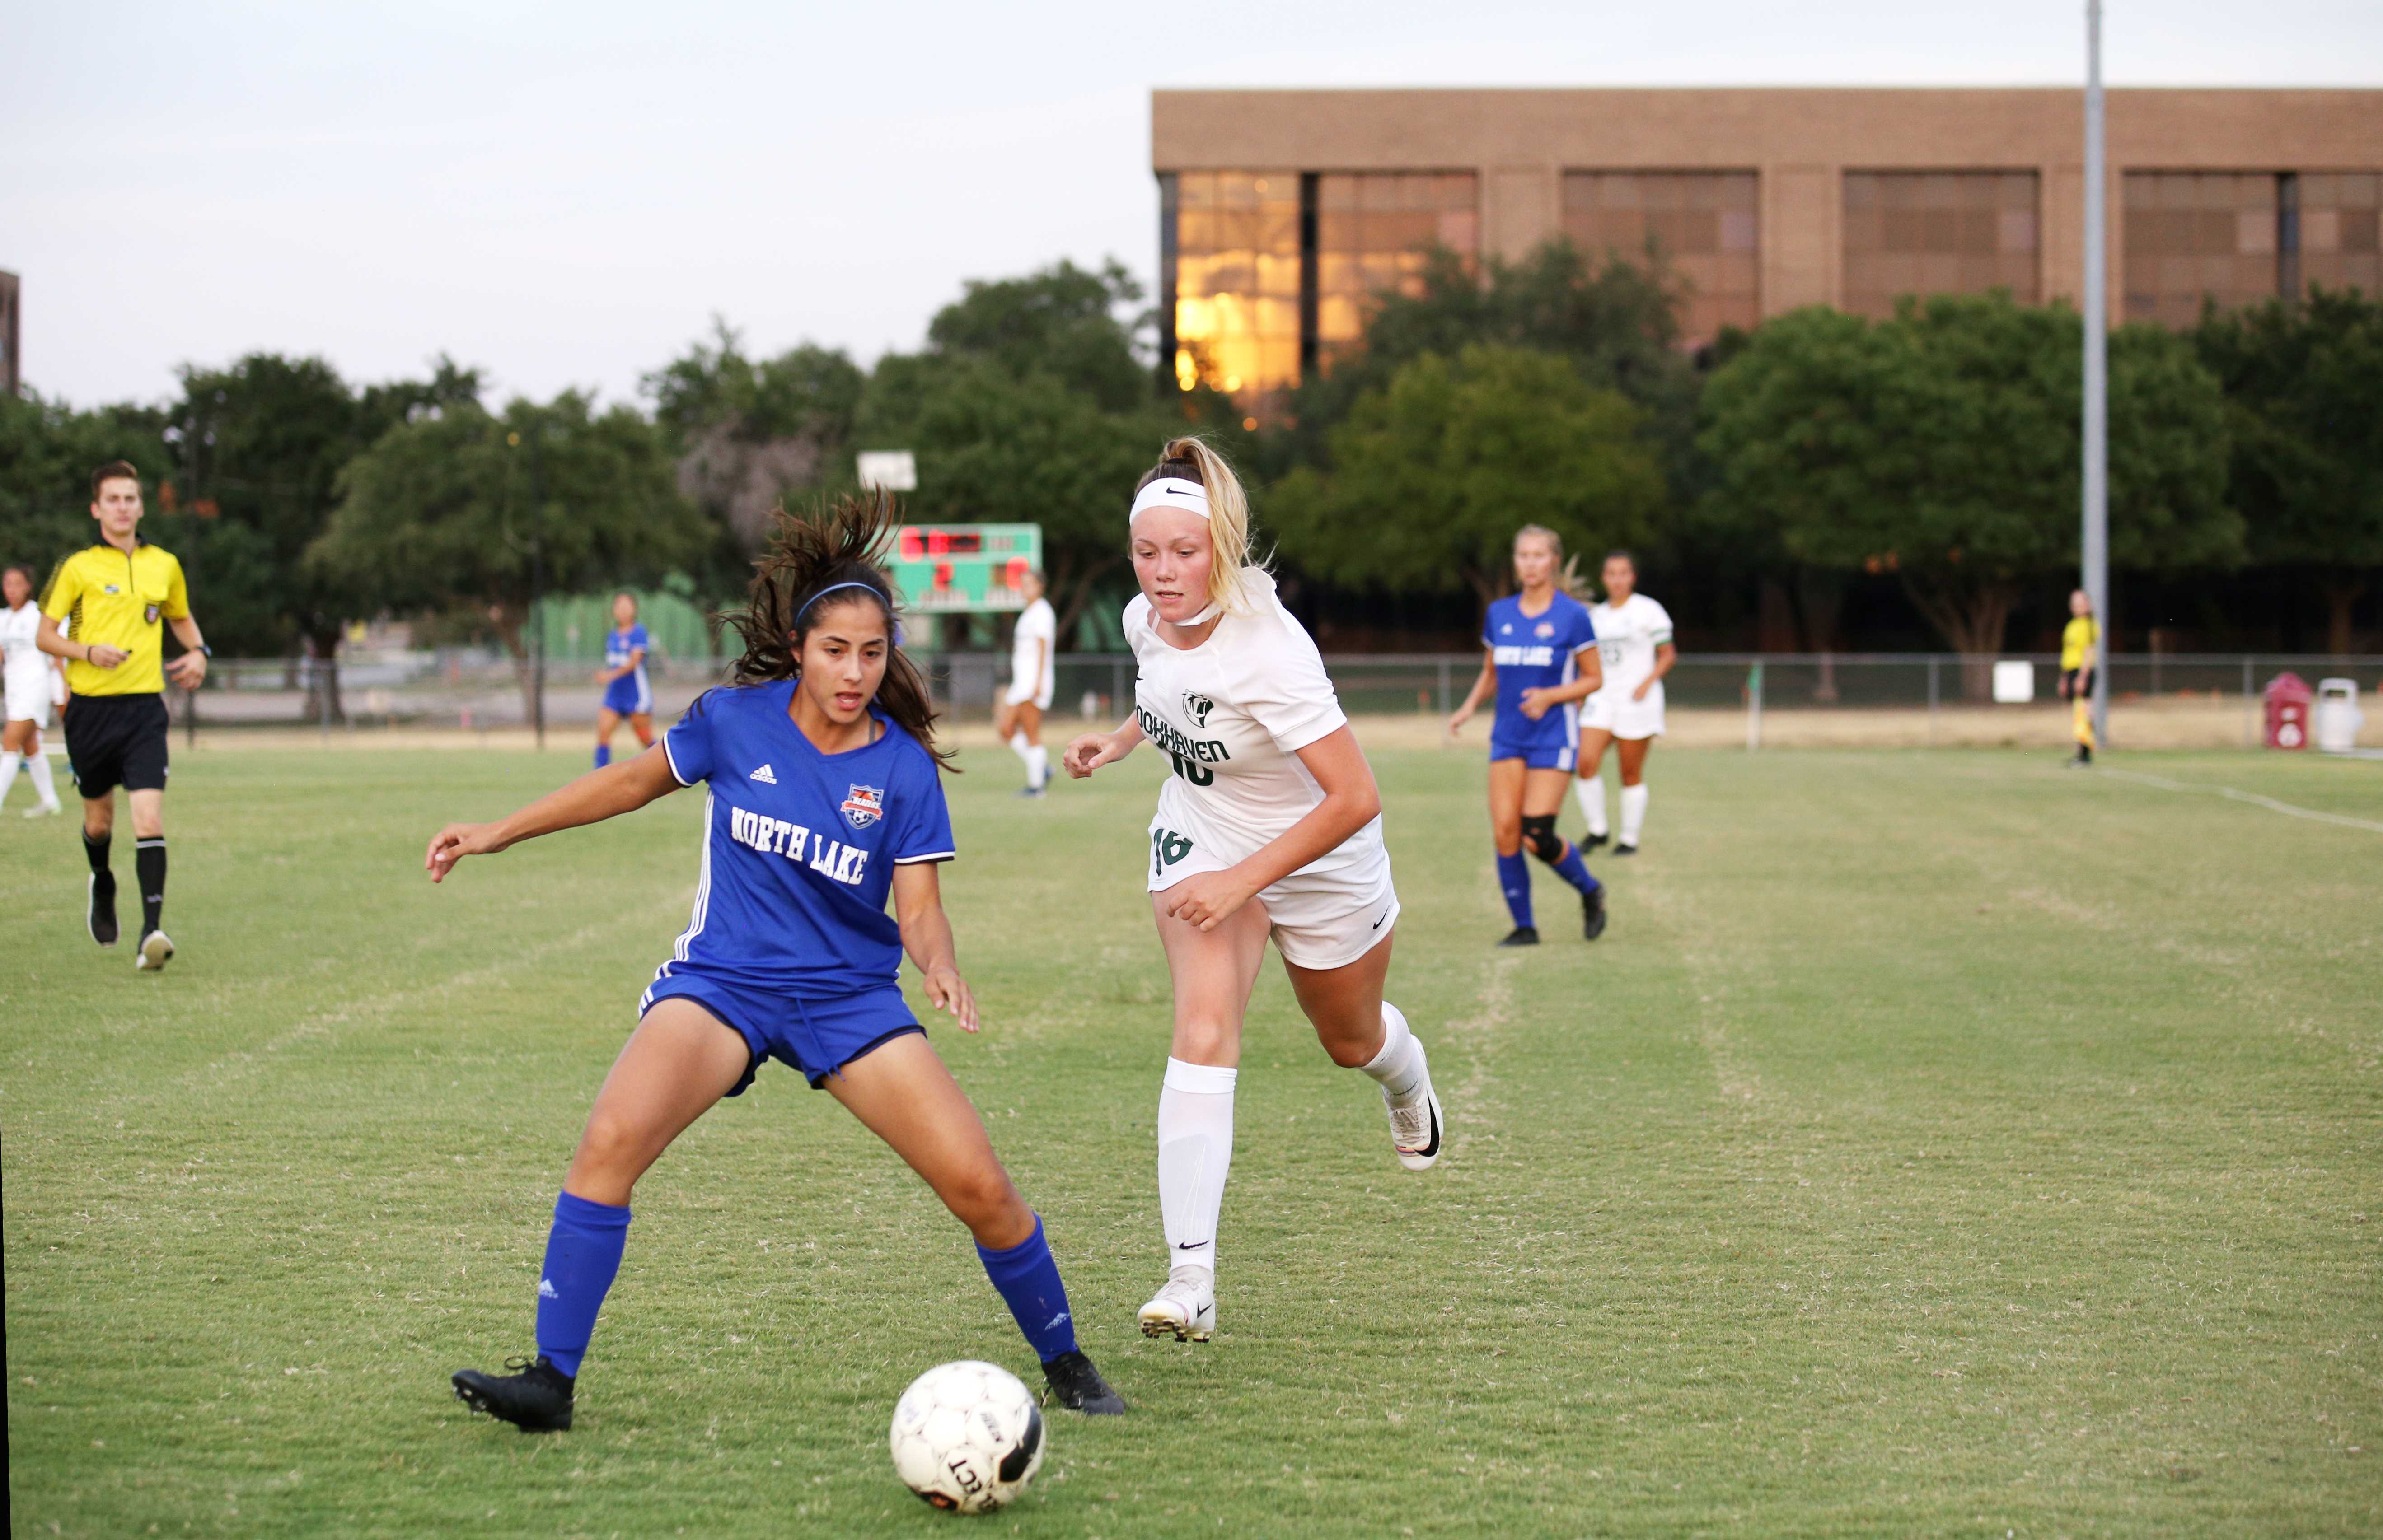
(2077,639)
(118,599)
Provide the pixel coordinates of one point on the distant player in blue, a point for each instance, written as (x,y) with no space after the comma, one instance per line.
(627,692)
(1540,656)
(823,798)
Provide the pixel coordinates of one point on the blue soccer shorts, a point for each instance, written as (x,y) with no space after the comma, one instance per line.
(817,1036)
(1559,757)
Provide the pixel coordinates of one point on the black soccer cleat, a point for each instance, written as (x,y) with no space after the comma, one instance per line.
(1625,850)
(1077,1386)
(1592,912)
(1590,841)
(103,909)
(1522,935)
(535,1400)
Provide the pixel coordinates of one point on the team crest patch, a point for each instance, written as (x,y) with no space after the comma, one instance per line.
(1197,707)
(863,806)
(1546,630)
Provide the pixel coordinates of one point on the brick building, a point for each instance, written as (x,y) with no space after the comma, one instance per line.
(1282,211)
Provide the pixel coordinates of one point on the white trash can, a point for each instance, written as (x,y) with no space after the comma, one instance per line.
(2338,716)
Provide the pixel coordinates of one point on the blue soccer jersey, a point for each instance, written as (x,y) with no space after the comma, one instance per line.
(630,691)
(799,847)
(1535,652)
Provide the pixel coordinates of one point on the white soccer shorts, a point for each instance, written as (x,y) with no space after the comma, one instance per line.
(1320,919)
(1615,712)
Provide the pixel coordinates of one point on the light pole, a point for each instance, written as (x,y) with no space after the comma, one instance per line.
(2096,541)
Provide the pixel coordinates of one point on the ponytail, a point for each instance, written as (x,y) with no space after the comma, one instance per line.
(835,556)
(1190,458)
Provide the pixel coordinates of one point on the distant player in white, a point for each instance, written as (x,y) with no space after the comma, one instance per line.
(30,683)
(1270,825)
(1634,639)
(1032,676)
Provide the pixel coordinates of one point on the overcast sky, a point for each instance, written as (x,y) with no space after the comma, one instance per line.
(566,194)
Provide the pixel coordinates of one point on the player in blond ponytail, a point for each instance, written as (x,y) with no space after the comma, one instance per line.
(1270,826)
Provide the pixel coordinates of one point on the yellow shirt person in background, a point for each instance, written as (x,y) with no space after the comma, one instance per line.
(121,593)
(2080,653)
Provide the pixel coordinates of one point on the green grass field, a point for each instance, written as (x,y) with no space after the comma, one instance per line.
(1937,1144)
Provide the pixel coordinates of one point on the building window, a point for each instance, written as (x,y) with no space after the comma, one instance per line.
(1376,230)
(1235,265)
(2192,236)
(2339,233)
(1701,224)
(1938,233)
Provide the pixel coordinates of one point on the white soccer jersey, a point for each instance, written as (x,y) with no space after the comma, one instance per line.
(26,673)
(1036,624)
(1628,635)
(1232,714)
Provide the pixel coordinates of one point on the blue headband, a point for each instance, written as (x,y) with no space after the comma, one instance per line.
(832,588)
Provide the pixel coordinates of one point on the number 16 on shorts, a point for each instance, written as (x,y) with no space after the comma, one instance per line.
(1166,848)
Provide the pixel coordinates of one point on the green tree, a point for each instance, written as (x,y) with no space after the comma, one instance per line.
(1433,472)
(2304,397)
(452,510)
(1615,321)
(48,452)
(747,432)
(1943,446)
(1031,405)
(1062,322)
(259,445)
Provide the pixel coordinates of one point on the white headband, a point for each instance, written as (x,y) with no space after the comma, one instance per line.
(1171,492)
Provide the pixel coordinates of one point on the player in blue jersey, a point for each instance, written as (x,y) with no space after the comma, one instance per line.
(627,692)
(1540,656)
(821,799)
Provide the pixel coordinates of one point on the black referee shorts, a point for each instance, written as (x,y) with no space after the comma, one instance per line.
(117,741)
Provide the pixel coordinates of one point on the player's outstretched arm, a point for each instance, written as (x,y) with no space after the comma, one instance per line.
(1092,750)
(618,788)
(927,937)
(1483,682)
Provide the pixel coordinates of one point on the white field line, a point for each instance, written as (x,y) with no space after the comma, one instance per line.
(1472,1109)
(2256,800)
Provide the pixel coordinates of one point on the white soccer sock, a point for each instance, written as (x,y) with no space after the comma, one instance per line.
(1038,765)
(1398,1067)
(1633,812)
(1591,792)
(1018,743)
(9,763)
(1195,1150)
(38,766)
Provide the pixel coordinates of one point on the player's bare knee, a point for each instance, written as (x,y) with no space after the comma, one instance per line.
(984,1200)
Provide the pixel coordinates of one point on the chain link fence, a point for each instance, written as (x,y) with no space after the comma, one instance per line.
(2178,699)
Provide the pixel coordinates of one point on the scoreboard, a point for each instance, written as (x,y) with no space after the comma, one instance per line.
(965,568)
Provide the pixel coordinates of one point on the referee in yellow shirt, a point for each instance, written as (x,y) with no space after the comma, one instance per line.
(2080,654)
(116,592)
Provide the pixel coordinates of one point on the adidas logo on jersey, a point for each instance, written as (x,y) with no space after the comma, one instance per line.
(765,775)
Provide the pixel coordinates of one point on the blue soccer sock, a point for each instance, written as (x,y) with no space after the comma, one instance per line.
(1028,1279)
(1575,871)
(583,1252)
(1514,879)
(603,755)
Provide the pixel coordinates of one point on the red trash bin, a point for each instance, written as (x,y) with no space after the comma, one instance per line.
(2289,701)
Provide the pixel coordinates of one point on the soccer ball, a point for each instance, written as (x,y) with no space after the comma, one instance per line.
(966,1436)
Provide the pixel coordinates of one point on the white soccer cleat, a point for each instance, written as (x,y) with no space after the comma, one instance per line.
(1416,1127)
(1185,1308)
(42,810)
(155,948)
